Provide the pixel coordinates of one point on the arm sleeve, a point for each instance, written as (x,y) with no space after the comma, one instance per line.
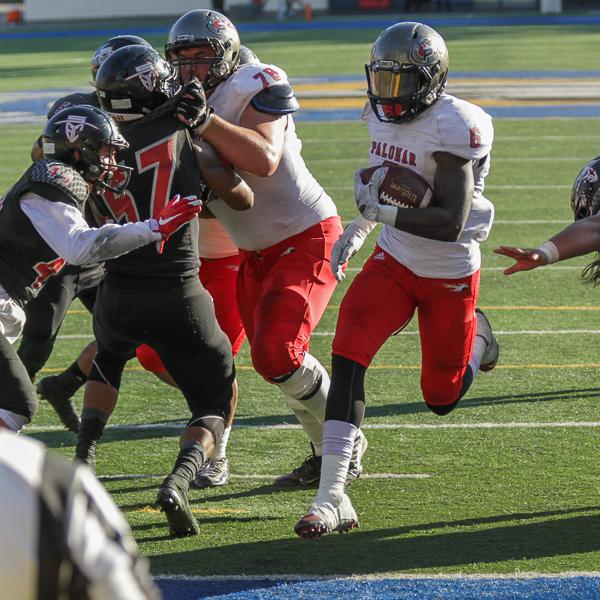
(101,546)
(64,229)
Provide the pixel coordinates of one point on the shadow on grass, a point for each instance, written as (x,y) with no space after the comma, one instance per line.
(554,534)
(473,402)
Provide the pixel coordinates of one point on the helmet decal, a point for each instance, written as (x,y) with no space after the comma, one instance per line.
(74,126)
(421,52)
(146,74)
(217,25)
(590,175)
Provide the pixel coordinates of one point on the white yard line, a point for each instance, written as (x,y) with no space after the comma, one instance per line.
(392,426)
(256,476)
(78,336)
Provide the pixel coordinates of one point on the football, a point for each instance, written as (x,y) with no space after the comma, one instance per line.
(401,186)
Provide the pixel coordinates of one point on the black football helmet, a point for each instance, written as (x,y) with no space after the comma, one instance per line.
(407,71)
(77,135)
(585,195)
(114,43)
(133,81)
(200,27)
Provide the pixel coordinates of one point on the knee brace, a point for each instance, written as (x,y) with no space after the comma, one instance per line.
(215,423)
(305,381)
(107,368)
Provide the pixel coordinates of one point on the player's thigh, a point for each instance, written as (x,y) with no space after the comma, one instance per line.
(378,304)
(191,344)
(295,293)
(447,322)
(219,277)
(47,310)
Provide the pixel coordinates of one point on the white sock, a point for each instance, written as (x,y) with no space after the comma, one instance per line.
(222,445)
(312,426)
(338,442)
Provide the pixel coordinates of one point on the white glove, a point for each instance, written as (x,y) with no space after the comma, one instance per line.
(366,195)
(348,244)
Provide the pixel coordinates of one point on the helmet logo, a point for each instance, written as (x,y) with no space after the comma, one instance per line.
(145,73)
(421,52)
(74,126)
(102,54)
(590,175)
(216,25)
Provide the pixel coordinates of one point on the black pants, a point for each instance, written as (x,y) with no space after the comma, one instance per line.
(46,312)
(18,395)
(175,318)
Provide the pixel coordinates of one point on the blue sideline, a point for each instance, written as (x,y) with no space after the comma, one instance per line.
(380,23)
(538,588)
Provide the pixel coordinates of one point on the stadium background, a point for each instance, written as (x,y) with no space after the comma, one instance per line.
(499,499)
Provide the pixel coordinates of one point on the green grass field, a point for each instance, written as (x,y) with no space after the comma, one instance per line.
(504,488)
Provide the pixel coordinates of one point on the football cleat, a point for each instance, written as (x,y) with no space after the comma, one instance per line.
(326,517)
(213,473)
(355,467)
(305,475)
(59,398)
(173,501)
(492,348)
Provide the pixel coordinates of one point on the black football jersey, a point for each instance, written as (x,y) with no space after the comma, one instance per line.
(164,164)
(26,260)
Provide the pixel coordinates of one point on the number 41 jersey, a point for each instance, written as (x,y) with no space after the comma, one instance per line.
(164,164)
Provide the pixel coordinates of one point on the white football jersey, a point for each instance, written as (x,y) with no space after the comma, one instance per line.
(213,240)
(288,202)
(457,127)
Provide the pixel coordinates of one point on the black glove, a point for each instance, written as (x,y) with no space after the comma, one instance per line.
(191,108)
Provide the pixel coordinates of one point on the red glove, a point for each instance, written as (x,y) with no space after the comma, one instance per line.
(173,216)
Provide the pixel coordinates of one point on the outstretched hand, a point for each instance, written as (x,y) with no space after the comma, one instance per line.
(526,259)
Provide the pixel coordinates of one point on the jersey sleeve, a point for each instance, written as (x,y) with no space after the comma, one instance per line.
(64,229)
(465,130)
(252,79)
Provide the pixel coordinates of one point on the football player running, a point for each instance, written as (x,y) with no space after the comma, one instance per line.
(284,281)
(42,227)
(579,238)
(425,260)
(155,297)
(46,312)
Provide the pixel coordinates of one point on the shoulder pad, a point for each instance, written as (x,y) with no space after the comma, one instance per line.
(75,99)
(60,178)
(276,100)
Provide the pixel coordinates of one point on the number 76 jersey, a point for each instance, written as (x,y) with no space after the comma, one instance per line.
(164,164)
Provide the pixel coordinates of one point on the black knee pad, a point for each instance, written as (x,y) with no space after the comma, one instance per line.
(442,409)
(107,368)
(213,421)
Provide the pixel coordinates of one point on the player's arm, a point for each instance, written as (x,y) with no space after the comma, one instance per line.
(223,181)
(64,229)
(443,220)
(577,239)
(255,145)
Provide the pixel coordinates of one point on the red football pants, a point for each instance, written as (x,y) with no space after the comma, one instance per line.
(282,293)
(219,277)
(382,300)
